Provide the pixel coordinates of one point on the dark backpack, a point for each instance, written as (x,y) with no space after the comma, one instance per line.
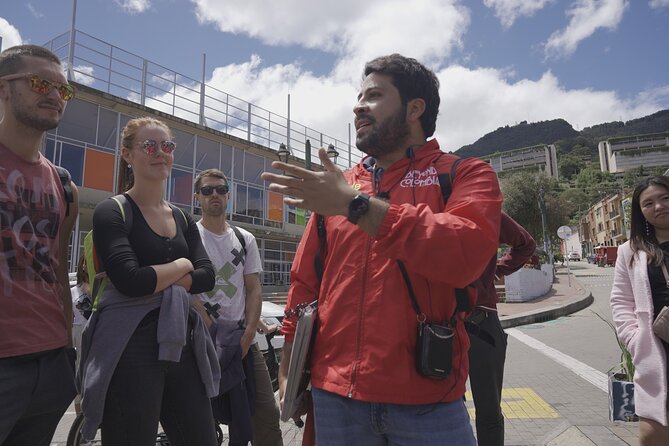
(66,182)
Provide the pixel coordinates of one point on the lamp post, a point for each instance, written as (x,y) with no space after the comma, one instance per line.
(332,153)
(283,153)
(307,155)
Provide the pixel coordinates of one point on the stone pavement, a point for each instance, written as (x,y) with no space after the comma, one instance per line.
(549,428)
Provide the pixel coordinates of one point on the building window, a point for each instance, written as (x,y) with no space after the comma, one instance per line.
(253,166)
(80,121)
(72,158)
(208,154)
(183,155)
(108,128)
(255,202)
(181,185)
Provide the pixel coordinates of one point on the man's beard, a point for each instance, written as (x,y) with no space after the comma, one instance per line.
(213,211)
(23,115)
(387,136)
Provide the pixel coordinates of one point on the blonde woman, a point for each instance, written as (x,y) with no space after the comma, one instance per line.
(640,291)
(150,358)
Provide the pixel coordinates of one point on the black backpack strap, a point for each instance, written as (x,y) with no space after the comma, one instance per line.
(462,299)
(239,236)
(446,185)
(446,181)
(66,182)
(319,264)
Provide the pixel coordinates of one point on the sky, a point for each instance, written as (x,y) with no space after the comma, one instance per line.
(499,62)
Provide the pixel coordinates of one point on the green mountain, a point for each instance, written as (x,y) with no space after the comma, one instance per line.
(563,135)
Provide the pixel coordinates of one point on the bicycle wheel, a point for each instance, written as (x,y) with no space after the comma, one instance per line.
(74,436)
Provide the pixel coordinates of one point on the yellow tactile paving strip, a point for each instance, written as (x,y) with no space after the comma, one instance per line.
(519,403)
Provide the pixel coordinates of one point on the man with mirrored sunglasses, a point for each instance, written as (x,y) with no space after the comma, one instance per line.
(43,86)
(36,355)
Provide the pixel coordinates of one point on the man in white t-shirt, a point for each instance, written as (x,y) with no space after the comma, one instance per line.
(237,294)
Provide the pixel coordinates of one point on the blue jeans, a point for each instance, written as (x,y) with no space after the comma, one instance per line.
(343,421)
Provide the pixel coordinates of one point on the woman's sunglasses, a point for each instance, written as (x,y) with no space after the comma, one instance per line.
(150,147)
(208,190)
(43,86)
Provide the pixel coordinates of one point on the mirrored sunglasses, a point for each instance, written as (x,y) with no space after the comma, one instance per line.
(208,190)
(43,86)
(150,147)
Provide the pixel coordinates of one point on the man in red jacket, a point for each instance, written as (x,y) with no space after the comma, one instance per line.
(488,348)
(385,212)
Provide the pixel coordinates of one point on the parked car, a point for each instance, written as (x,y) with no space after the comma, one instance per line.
(574,256)
(606,255)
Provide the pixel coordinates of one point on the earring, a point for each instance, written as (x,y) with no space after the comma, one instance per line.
(647,229)
(129,166)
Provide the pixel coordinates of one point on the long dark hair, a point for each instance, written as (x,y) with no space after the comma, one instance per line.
(642,233)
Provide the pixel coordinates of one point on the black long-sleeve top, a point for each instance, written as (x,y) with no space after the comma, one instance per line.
(127,256)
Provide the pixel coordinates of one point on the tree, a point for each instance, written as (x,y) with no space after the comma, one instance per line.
(575,202)
(569,166)
(595,183)
(521,201)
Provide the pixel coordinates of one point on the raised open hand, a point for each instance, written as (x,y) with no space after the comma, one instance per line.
(325,192)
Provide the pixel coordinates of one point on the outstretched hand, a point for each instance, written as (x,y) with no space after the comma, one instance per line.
(326,192)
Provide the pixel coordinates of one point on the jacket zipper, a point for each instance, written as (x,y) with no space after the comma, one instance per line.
(356,360)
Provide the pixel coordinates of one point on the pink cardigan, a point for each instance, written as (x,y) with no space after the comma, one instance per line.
(632,309)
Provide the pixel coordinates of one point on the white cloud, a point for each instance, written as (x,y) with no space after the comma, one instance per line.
(34,11)
(466,93)
(134,6)
(658,3)
(507,11)
(585,17)
(468,109)
(474,101)
(84,74)
(354,31)
(10,35)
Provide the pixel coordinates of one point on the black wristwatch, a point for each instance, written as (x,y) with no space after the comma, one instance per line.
(358,207)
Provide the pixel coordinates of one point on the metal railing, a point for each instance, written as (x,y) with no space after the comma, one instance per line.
(115,71)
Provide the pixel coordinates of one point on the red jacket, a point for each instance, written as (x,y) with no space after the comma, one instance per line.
(522,247)
(366,338)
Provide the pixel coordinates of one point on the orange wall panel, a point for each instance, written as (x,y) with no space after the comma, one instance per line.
(275,206)
(99,170)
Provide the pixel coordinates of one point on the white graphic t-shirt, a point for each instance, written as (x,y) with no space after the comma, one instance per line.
(227,300)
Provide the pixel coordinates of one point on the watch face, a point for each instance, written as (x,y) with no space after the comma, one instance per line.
(358,207)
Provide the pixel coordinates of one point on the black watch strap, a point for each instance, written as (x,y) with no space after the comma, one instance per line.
(358,207)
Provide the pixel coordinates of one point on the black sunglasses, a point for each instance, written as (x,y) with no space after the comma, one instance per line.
(208,190)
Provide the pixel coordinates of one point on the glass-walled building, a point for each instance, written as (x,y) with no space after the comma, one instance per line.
(212,129)
(86,143)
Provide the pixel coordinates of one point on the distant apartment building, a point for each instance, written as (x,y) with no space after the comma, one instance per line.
(540,157)
(617,155)
(603,224)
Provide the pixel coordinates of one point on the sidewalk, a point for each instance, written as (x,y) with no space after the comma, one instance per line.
(561,300)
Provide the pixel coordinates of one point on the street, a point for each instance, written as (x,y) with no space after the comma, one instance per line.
(555,380)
